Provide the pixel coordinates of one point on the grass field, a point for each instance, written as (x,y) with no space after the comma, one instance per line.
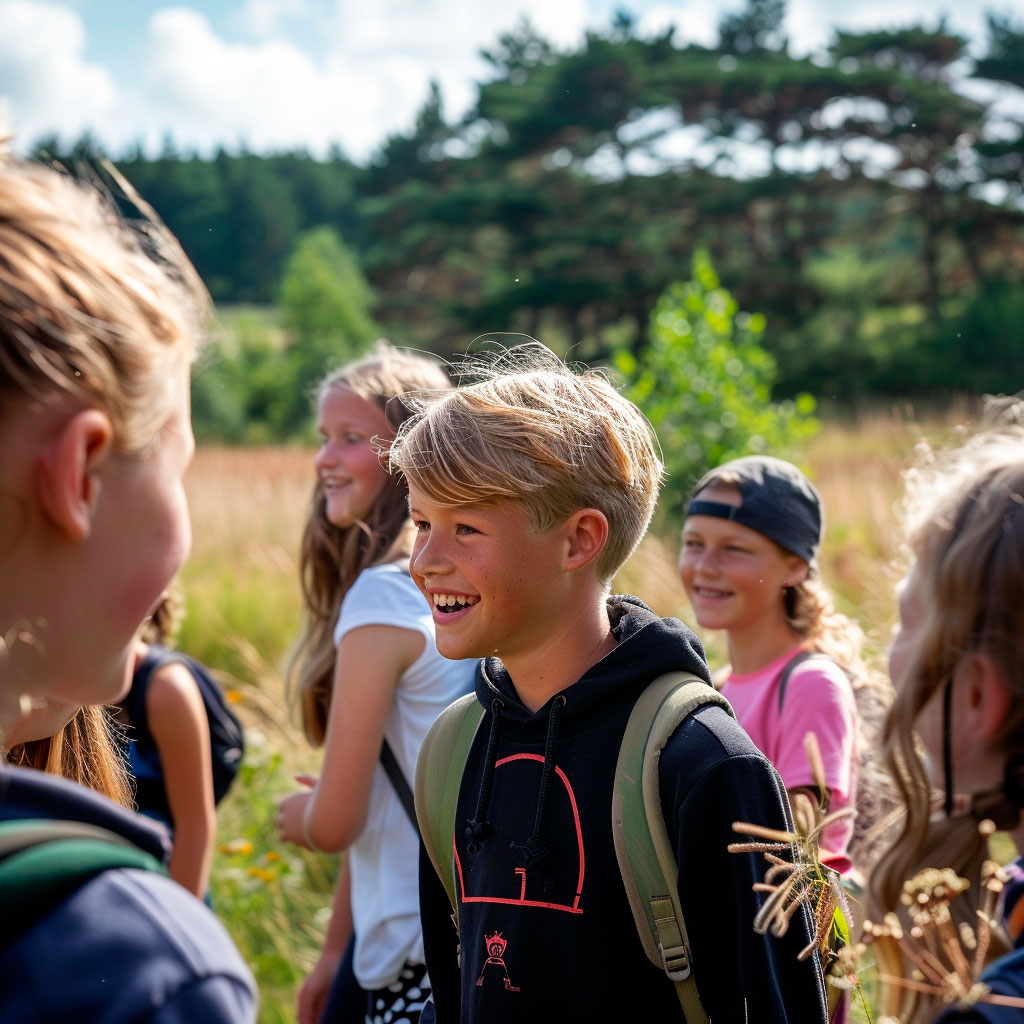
(248,508)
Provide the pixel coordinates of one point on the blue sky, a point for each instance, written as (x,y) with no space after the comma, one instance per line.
(311,73)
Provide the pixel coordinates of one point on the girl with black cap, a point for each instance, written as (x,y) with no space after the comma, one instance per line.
(749,566)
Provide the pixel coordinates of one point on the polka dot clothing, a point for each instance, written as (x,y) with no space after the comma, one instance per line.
(402,1000)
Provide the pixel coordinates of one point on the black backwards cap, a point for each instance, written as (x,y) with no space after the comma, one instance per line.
(778,501)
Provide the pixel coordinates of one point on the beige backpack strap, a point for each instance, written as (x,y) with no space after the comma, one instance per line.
(646,855)
(439,770)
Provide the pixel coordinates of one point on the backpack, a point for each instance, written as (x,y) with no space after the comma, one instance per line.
(227,743)
(42,862)
(645,854)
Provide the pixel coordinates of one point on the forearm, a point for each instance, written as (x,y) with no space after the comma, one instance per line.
(339,930)
(329,825)
(192,854)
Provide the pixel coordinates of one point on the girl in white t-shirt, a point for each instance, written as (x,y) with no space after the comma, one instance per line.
(749,565)
(370,683)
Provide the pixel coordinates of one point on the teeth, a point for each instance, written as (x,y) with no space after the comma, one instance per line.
(453,600)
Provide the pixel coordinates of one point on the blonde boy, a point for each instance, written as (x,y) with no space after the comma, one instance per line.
(529,489)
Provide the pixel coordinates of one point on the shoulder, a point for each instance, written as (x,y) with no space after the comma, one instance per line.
(820,679)
(383,584)
(136,934)
(383,595)
(704,740)
(25,793)
(172,689)
(711,771)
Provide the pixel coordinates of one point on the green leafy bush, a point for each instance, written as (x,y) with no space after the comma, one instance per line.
(324,303)
(705,383)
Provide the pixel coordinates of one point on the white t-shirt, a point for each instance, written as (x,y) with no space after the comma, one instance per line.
(384,859)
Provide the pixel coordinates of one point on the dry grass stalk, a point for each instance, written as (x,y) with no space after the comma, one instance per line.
(936,948)
(804,880)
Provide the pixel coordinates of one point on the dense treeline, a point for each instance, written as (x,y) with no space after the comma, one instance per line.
(865,200)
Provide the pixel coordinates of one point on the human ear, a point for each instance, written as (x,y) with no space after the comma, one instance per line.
(67,481)
(796,571)
(587,534)
(987,698)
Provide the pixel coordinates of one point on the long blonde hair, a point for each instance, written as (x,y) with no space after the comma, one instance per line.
(82,751)
(965,528)
(332,557)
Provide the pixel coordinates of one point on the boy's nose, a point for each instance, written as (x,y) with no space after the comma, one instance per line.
(427,557)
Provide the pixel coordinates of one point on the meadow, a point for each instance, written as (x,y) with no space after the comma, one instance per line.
(244,610)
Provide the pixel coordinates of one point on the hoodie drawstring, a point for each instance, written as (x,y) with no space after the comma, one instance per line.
(477,828)
(537,849)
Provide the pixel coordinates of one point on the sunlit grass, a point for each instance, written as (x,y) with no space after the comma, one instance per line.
(243,612)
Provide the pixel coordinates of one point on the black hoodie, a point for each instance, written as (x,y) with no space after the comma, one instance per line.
(547,932)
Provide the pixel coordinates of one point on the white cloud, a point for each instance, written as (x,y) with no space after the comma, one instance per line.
(48,85)
(363,74)
(811,24)
(268,94)
(264,19)
(691,22)
(398,45)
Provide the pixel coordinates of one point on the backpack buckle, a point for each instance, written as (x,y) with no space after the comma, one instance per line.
(675,961)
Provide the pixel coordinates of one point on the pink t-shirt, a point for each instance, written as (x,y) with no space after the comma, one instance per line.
(819,699)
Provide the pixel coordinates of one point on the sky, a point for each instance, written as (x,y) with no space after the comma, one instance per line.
(309,74)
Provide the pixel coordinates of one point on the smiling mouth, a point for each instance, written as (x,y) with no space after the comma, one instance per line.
(708,593)
(451,603)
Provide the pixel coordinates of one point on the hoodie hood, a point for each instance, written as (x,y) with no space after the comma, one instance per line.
(648,646)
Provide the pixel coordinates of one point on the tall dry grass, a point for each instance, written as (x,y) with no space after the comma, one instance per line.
(244,609)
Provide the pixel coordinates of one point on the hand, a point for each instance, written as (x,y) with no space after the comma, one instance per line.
(316,988)
(289,821)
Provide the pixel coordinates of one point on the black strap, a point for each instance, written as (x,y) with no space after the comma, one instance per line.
(399,781)
(798,659)
(947,745)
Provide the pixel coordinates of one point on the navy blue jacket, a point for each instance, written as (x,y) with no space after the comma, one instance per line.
(547,932)
(128,945)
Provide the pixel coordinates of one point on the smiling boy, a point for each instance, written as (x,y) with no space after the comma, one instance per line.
(529,489)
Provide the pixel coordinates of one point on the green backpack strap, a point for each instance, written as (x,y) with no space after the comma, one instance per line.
(439,770)
(42,862)
(646,855)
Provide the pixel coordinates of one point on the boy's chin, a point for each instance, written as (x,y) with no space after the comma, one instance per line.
(459,650)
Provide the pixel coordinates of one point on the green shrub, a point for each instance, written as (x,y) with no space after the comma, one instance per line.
(705,383)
